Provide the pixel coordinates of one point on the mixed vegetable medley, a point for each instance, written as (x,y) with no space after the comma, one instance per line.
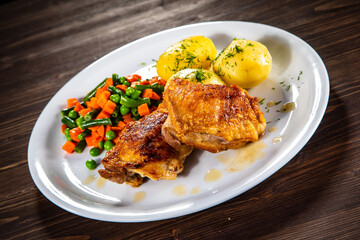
(98,119)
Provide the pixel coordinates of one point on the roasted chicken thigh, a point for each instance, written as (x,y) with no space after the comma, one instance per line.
(142,152)
(210,117)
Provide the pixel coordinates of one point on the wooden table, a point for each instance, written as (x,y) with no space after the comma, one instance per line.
(315,196)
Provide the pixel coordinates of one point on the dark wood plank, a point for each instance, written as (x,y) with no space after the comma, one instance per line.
(316,195)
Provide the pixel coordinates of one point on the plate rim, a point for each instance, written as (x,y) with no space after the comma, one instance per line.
(325,93)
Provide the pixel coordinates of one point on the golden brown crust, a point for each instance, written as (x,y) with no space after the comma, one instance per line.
(211,117)
(141,149)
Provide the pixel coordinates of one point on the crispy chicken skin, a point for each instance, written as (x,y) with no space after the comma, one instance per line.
(210,117)
(142,152)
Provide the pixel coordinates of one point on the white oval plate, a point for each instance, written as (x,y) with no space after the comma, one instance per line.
(65,180)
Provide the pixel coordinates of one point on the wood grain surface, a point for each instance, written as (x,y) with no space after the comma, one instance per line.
(44,44)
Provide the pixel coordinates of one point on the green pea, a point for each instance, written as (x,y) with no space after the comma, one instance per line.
(73,114)
(130,91)
(115,98)
(91,164)
(136,94)
(110,135)
(124,110)
(79,120)
(101,144)
(108,145)
(126,83)
(95,152)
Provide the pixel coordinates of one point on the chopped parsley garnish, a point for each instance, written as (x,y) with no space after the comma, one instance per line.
(261,102)
(300,73)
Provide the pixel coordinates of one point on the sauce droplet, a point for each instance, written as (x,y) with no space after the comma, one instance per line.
(272,129)
(212,175)
(179,190)
(237,160)
(89,180)
(139,196)
(277,139)
(288,107)
(100,183)
(195,190)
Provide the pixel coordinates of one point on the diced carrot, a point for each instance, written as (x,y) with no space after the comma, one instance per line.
(143,109)
(63,127)
(95,135)
(154,81)
(74,133)
(133,84)
(69,146)
(109,107)
(71,102)
(101,102)
(92,103)
(103,114)
(115,140)
(121,124)
(155,96)
(116,128)
(84,111)
(94,129)
(98,92)
(127,118)
(108,83)
(121,87)
(162,82)
(145,82)
(101,131)
(106,94)
(133,78)
(89,140)
(78,107)
(108,128)
(147,93)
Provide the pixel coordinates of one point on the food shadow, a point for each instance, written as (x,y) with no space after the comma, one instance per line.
(191,161)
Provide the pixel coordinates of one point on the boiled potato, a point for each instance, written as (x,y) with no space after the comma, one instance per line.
(244,63)
(192,52)
(198,75)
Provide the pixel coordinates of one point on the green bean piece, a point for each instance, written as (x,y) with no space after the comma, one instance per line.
(115,79)
(116,120)
(115,90)
(65,112)
(124,110)
(135,112)
(129,91)
(115,98)
(94,152)
(136,94)
(67,134)
(91,114)
(108,145)
(131,103)
(110,135)
(101,144)
(84,134)
(95,122)
(91,164)
(68,121)
(80,146)
(92,92)
(127,83)
(122,80)
(116,112)
(73,114)
(79,120)
(156,87)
